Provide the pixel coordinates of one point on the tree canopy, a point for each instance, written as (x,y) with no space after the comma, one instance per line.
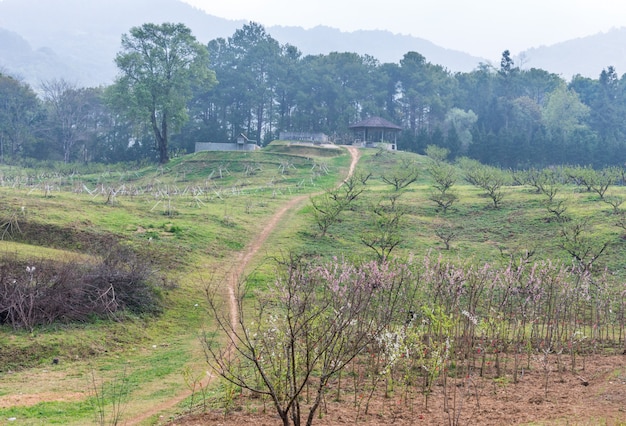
(173,91)
(160,65)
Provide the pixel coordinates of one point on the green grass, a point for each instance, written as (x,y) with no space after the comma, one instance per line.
(193,223)
(59,413)
(484,234)
(156,365)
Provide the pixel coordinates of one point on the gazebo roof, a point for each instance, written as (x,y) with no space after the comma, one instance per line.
(375,123)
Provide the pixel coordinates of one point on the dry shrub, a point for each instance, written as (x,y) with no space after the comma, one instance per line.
(45,291)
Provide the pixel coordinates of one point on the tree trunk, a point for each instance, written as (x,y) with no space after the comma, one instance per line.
(259,124)
(318,400)
(160,136)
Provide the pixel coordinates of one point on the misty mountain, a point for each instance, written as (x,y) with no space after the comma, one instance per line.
(85,35)
(586,56)
(383,45)
(17,54)
(77,40)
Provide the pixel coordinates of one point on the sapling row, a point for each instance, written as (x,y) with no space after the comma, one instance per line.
(404,330)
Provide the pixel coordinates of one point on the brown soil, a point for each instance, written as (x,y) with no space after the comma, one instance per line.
(9,401)
(595,396)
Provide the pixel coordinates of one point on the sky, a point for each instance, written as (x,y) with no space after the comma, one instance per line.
(483,28)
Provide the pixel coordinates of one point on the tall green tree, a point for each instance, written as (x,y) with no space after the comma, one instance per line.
(287,86)
(250,68)
(257,55)
(507,87)
(424,90)
(337,90)
(160,64)
(565,118)
(459,124)
(564,112)
(536,84)
(387,87)
(607,112)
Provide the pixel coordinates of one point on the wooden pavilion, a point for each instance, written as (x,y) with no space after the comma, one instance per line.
(374,130)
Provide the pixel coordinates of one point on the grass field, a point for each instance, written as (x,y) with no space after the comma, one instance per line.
(193,216)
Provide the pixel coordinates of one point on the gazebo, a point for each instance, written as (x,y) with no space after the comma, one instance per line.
(376,129)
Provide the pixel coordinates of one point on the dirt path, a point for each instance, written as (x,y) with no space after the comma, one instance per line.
(243,260)
(246,256)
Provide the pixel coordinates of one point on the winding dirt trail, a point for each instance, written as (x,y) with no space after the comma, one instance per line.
(242,262)
(247,255)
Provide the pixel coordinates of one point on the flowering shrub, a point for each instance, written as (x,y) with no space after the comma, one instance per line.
(411,326)
(313,322)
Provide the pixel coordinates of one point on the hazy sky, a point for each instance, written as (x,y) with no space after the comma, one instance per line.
(481,27)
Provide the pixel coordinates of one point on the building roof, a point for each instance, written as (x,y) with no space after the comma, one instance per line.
(375,123)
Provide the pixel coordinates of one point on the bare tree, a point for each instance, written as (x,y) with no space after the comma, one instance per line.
(557,208)
(490,179)
(402,177)
(387,234)
(444,176)
(603,179)
(328,206)
(443,200)
(304,330)
(614,201)
(66,112)
(583,247)
(446,232)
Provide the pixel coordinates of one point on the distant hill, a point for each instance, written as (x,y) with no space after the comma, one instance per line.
(77,40)
(383,45)
(586,56)
(85,35)
(18,58)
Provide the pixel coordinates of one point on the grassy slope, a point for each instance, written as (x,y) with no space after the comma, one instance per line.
(192,221)
(484,234)
(195,221)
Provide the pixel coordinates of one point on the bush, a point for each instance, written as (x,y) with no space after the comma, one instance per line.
(44,292)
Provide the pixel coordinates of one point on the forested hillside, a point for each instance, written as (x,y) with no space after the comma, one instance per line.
(503,115)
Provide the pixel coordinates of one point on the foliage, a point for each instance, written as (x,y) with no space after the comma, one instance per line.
(20,113)
(450,322)
(160,64)
(518,310)
(61,213)
(506,116)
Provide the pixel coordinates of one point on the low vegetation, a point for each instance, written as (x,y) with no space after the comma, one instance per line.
(480,288)
(505,285)
(75,290)
(402,329)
